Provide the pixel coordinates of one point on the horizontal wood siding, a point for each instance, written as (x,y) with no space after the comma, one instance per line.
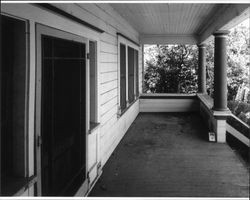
(169,105)
(107,135)
(106,18)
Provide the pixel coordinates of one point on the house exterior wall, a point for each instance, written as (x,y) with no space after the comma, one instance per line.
(102,140)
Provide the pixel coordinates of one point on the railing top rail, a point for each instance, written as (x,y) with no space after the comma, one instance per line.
(167,96)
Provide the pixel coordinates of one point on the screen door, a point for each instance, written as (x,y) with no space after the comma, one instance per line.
(63,114)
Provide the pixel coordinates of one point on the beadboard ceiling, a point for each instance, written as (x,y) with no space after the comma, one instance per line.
(166,18)
(186,20)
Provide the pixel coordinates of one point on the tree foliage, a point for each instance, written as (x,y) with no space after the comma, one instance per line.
(173,68)
(238,63)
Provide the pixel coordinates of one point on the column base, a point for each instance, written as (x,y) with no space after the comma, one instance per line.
(220,122)
(220,130)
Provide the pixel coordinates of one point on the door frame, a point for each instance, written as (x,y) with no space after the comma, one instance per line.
(50,31)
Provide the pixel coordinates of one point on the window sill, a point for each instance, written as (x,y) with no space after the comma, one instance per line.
(93,126)
(122,112)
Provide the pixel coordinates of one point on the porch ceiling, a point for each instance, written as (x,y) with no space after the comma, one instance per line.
(180,23)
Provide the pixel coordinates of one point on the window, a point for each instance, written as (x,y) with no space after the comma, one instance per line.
(128,74)
(131,75)
(122,76)
(13,109)
(93,84)
(136,74)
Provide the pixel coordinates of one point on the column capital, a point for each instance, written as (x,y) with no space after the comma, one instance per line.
(221,33)
(202,45)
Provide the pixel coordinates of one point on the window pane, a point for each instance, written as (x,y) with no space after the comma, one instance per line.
(122,76)
(136,73)
(131,74)
(92,84)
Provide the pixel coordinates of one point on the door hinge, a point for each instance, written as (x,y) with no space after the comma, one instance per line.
(39,141)
(99,168)
(88,178)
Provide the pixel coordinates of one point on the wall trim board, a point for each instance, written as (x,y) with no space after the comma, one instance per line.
(127,38)
(120,127)
(167,96)
(68,16)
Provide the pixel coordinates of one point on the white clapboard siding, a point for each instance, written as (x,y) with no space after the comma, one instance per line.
(108,58)
(103,140)
(109,38)
(107,115)
(82,14)
(108,125)
(109,16)
(168,105)
(108,67)
(115,134)
(108,48)
(105,87)
(107,77)
(105,17)
(108,106)
(107,96)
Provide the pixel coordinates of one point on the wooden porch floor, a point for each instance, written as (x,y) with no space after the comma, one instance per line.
(168,155)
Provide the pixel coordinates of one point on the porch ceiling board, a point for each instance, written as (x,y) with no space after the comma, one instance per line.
(164,18)
(183,22)
(168,39)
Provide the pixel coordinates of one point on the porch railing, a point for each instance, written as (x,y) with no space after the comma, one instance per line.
(201,103)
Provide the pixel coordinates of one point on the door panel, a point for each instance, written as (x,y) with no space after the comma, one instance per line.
(63,122)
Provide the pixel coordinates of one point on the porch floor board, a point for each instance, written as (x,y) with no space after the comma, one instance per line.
(168,155)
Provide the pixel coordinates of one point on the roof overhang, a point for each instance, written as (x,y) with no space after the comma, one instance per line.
(181,23)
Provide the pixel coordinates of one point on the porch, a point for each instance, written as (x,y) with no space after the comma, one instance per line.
(168,155)
(161,154)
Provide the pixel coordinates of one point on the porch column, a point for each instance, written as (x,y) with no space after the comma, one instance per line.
(202,69)
(220,71)
(220,110)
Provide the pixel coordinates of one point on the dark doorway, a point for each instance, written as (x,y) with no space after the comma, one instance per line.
(12,105)
(63,122)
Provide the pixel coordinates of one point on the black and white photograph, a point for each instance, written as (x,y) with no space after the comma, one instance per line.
(125,100)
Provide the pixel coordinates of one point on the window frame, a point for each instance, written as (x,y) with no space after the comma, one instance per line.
(95,122)
(40,30)
(127,43)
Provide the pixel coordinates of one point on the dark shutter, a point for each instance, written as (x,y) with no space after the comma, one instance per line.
(136,73)
(131,74)
(122,76)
